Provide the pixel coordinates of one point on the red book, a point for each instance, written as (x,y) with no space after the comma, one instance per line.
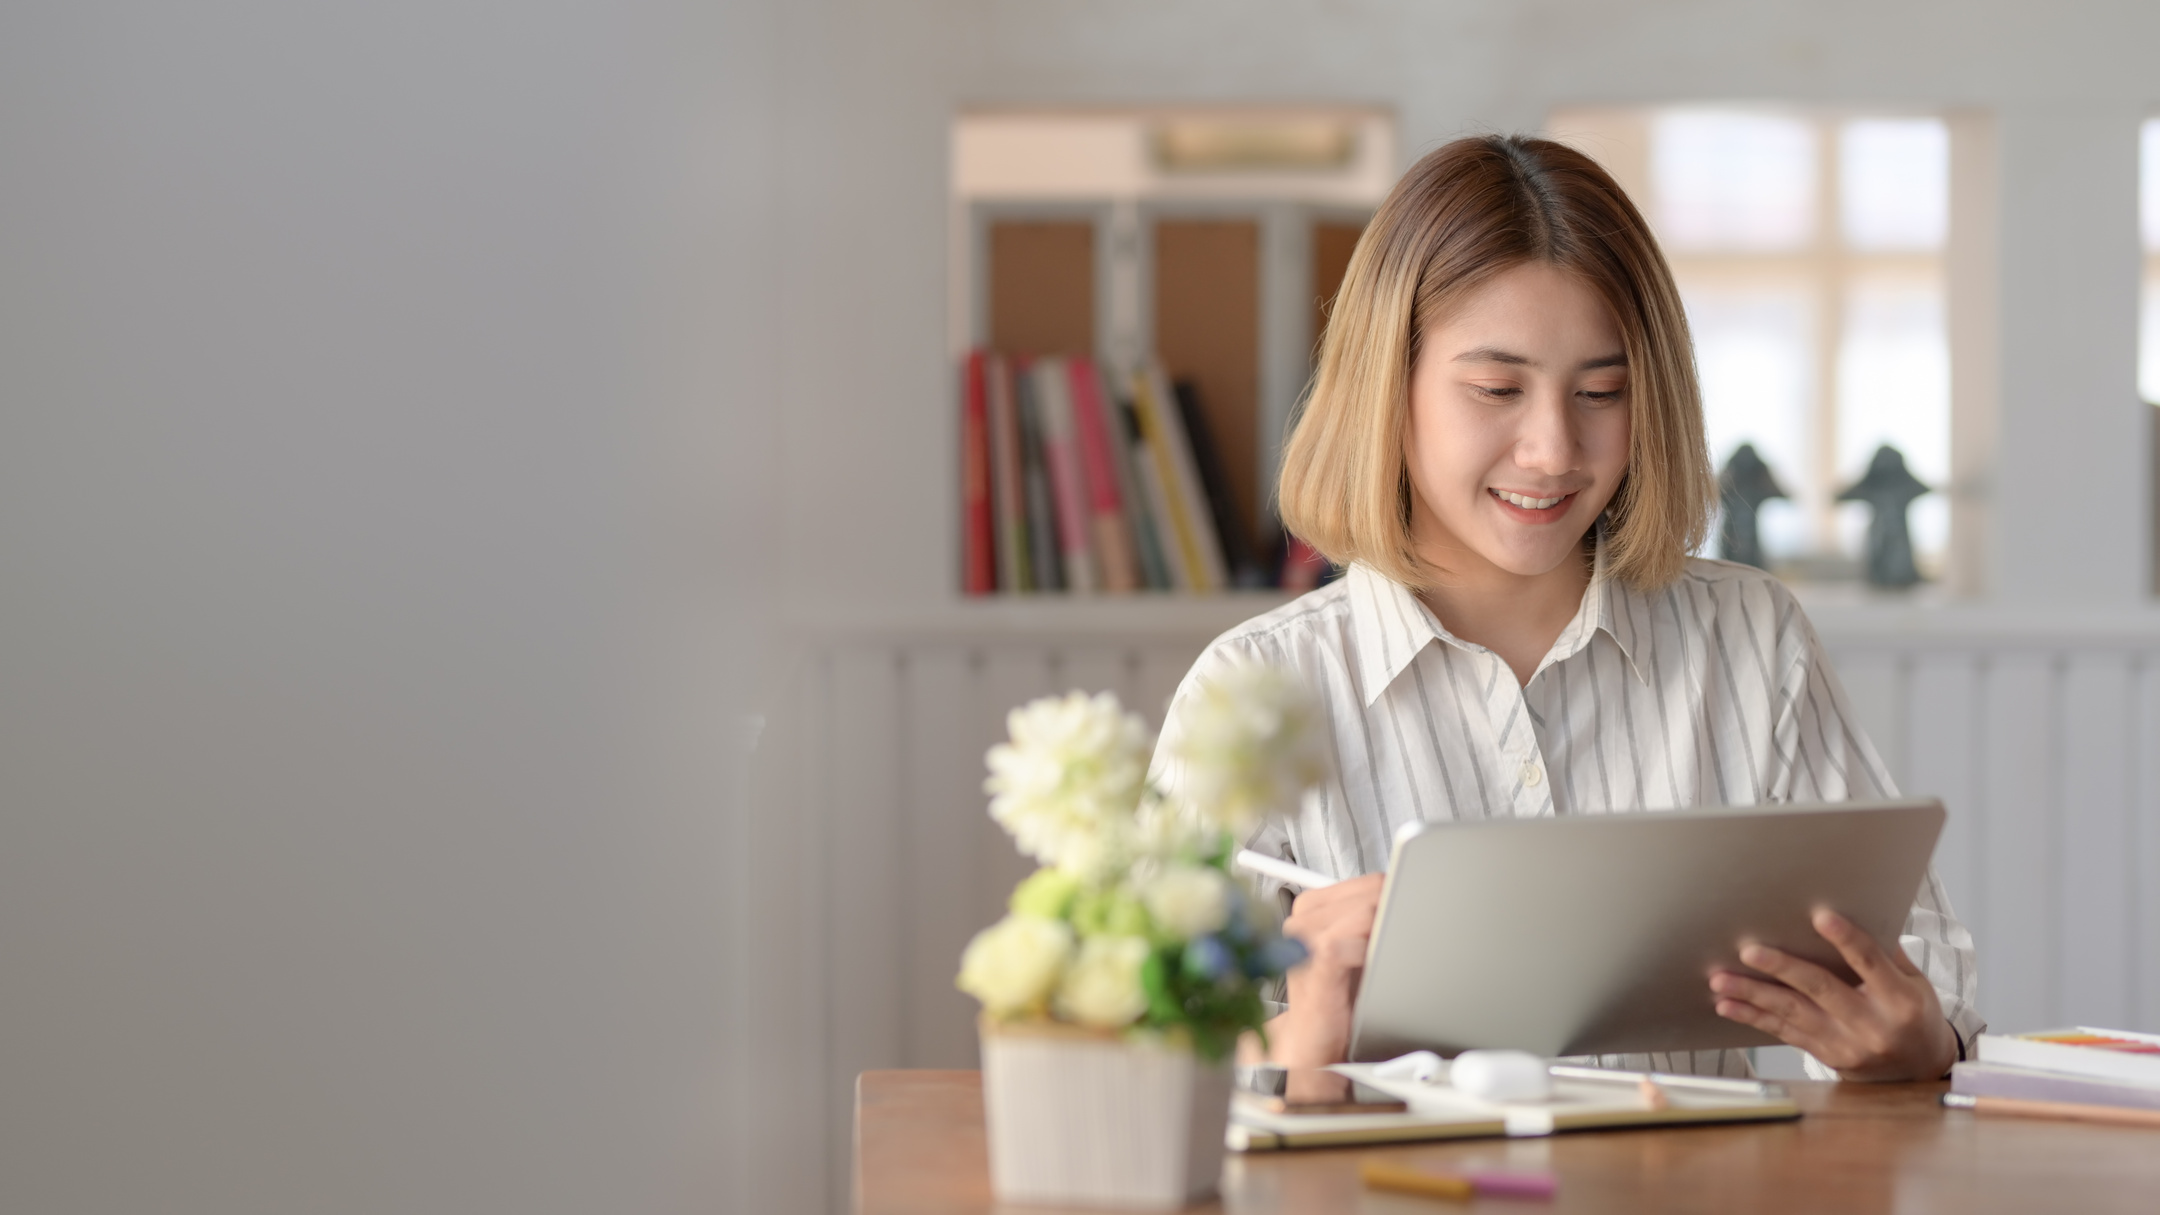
(1106,509)
(978,541)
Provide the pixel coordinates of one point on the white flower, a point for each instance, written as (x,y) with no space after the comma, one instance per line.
(1067,784)
(1188,901)
(1012,965)
(1253,743)
(1166,828)
(1102,986)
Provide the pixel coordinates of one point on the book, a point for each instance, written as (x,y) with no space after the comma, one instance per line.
(1139,515)
(1197,546)
(2110,1054)
(1975,1079)
(1061,457)
(978,566)
(1008,492)
(1047,570)
(1147,470)
(1230,525)
(1113,544)
(1437,1111)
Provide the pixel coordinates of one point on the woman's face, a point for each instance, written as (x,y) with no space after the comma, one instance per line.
(1518,424)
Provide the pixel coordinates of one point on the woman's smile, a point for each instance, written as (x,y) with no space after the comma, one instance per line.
(1531,508)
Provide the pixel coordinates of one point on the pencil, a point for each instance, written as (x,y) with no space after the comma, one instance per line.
(1380,1175)
(2067,1111)
(1296,875)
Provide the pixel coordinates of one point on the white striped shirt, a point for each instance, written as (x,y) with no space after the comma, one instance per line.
(1712,691)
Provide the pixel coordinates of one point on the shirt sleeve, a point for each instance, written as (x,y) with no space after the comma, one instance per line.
(1823,756)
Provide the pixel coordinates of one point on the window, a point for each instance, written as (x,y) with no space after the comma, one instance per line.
(1810,253)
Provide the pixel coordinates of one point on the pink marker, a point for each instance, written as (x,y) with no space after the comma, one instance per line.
(1515,1185)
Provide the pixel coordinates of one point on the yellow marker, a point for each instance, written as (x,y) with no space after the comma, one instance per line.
(1380,1175)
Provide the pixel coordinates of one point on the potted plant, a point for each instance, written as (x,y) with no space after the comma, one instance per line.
(1115,991)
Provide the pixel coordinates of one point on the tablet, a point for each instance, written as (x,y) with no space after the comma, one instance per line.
(1596,935)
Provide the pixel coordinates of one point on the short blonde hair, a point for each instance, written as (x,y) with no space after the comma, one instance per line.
(1463,214)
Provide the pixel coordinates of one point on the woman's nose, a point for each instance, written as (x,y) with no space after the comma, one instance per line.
(1548,442)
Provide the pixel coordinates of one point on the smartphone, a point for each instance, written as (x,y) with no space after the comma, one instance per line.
(1315,1090)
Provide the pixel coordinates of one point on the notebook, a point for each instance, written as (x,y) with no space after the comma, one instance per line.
(2109,1054)
(1437,1111)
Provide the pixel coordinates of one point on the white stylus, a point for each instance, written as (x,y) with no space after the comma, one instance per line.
(1268,866)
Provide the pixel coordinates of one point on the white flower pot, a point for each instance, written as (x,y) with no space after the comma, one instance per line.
(1092,1119)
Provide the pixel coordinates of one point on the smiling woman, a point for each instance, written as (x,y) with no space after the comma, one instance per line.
(1504,445)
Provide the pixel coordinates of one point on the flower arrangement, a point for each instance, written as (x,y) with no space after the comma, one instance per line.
(1135,920)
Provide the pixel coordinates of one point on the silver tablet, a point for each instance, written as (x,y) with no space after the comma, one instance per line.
(1595,935)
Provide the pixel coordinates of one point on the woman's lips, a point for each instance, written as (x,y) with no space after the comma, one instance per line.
(1514,504)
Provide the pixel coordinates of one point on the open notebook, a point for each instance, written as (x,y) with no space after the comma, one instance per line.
(1437,1111)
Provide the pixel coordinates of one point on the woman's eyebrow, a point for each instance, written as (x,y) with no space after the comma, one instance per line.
(1493,354)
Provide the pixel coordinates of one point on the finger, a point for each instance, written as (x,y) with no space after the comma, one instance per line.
(1833,994)
(1355,902)
(1860,951)
(1329,919)
(1352,893)
(1769,1023)
(1790,1006)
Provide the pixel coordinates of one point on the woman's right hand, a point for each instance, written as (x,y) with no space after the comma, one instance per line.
(1334,923)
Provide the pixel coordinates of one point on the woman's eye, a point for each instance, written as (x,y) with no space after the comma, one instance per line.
(1603,398)
(1497,392)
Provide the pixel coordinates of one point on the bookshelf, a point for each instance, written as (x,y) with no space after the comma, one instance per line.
(1204,243)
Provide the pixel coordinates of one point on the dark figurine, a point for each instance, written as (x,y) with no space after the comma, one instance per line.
(1888,488)
(1743,487)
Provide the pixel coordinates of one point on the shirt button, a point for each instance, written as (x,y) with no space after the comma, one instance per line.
(1532,774)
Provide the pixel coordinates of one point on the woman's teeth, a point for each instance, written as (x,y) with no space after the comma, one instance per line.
(1528,503)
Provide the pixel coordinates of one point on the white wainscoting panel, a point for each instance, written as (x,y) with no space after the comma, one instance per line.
(2041,736)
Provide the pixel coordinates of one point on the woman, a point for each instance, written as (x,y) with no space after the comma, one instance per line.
(1503,444)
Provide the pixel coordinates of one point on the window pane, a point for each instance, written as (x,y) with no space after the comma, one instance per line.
(1894,183)
(1752,346)
(1893,387)
(1732,180)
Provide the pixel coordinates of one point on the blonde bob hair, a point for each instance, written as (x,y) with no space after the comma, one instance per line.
(1463,214)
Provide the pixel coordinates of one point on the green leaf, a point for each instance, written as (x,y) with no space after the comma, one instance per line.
(1155,981)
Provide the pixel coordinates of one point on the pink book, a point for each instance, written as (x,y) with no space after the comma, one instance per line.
(1114,556)
(1061,456)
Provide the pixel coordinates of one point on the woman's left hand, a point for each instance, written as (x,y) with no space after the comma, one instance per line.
(1890,1027)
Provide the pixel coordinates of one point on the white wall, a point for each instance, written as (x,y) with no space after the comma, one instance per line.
(366,722)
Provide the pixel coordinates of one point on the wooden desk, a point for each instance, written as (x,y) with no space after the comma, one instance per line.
(1861,1148)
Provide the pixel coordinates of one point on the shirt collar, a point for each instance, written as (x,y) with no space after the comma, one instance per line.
(1607,605)
(1393,625)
